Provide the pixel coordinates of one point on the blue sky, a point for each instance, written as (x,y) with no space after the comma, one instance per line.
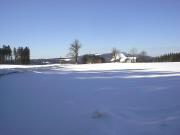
(49,26)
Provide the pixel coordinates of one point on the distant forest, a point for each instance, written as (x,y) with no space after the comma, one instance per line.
(17,56)
(171,57)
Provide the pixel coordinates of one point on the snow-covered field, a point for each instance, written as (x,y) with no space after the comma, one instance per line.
(96,99)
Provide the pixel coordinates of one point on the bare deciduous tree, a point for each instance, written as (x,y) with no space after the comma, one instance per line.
(133,53)
(143,56)
(74,50)
(115,52)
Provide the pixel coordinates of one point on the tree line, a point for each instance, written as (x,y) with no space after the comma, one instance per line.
(115,54)
(132,56)
(20,55)
(171,57)
(91,58)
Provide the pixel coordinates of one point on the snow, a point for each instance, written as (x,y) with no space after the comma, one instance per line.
(91,99)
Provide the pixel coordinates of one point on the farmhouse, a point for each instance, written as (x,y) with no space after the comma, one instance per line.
(123,58)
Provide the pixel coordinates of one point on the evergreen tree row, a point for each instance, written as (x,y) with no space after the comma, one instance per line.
(18,56)
(5,54)
(171,57)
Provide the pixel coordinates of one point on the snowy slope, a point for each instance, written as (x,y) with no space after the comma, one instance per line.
(94,99)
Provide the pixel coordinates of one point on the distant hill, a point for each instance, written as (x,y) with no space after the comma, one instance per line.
(44,61)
